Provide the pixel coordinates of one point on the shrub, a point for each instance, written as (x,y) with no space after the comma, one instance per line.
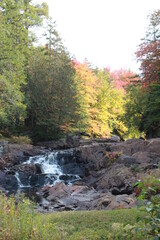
(121,231)
(21,139)
(112,157)
(148,192)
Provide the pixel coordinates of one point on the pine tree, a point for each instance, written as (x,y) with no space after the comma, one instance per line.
(51,89)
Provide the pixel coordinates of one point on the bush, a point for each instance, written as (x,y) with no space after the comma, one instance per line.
(148,192)
(121,231)
(21,139)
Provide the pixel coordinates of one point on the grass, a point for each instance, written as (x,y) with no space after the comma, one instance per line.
(21,222)
(94,225)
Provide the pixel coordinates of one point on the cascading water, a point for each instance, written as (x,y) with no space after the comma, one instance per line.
(57,166)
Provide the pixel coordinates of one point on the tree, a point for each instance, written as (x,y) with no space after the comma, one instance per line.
(123,77)
(16,16)
(135,107)
(149,52)
(86,82)
(11,65)
(51,90)
(149,56)
(110,105)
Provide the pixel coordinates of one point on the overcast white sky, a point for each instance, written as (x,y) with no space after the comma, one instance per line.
(106,32)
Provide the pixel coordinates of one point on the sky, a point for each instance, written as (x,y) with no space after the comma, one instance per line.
(105,32)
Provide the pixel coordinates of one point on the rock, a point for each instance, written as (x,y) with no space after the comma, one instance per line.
(108,169)
(17,153)
(67,177)
(127,160)
(92,156)
(122,201)
(115,139)
(36,180)
(38,168)
(8,182)
(130,146)
(154,146)
(2,163)
(29,168)
(147,157)
(62,197)
(127,189)
(52,145)
(72,141)
(117,176)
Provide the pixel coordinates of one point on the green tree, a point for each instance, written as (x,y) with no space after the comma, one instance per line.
(51,89)
(148,55)
(135,107)
(110,105)
(16,16)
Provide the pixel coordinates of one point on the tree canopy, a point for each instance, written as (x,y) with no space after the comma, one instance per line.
(46,93)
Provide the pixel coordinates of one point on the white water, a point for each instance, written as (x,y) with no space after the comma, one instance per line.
(49,168)
(48,163)
(1,150)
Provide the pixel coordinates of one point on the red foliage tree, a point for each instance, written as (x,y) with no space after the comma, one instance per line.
(148,53)
(124,77)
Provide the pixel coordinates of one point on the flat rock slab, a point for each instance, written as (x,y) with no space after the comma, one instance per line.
(61,196)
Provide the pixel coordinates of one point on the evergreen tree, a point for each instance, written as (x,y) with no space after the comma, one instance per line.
(51,89)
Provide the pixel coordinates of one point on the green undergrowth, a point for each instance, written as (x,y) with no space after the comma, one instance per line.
(20,221)
(17,139)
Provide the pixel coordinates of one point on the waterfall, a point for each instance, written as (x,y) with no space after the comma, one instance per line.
(54,167)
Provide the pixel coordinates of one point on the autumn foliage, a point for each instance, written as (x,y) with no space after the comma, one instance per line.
(46,94)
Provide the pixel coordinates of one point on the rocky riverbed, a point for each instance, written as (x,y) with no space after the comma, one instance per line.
(78,174)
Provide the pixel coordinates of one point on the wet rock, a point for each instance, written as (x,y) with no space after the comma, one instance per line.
(67,177)
(38,168)
(37,180)
(8,182)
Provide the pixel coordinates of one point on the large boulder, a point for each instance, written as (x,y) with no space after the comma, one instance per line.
(117,179)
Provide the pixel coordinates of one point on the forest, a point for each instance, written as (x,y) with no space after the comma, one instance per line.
(45,93)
